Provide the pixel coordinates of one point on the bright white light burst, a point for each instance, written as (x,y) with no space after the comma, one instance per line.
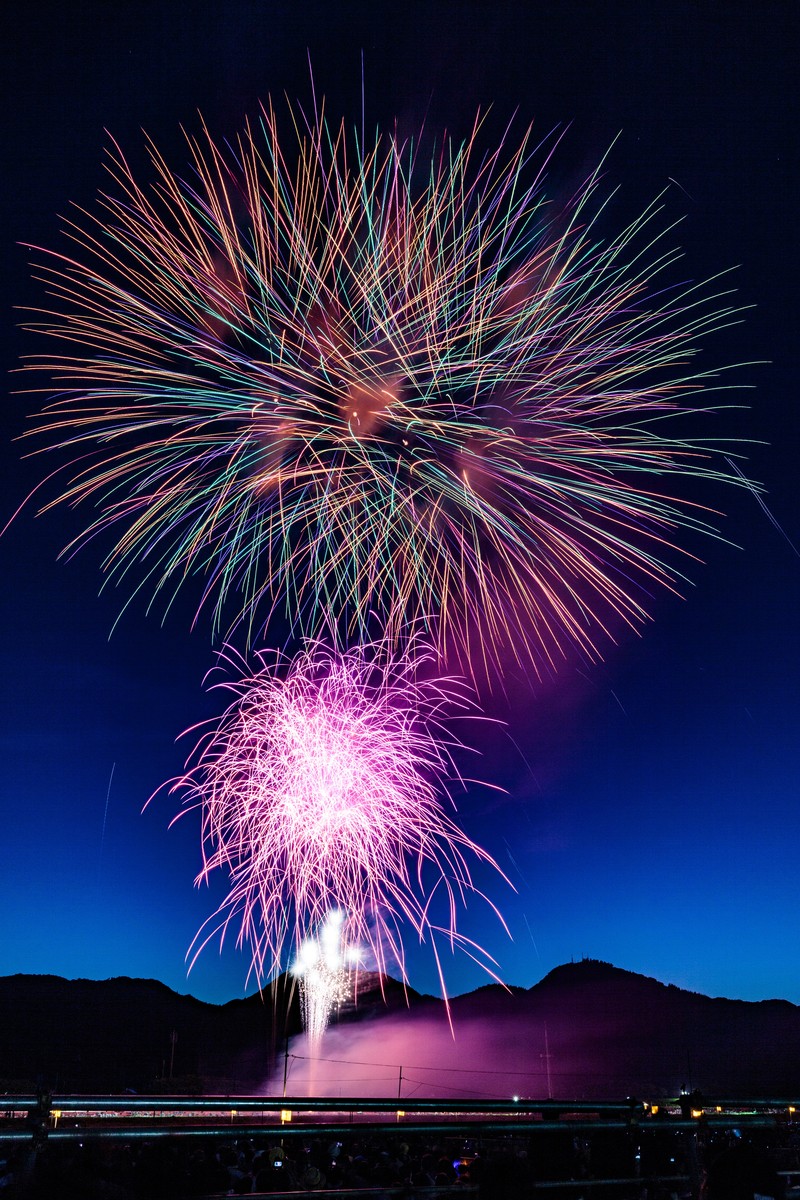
(324,967)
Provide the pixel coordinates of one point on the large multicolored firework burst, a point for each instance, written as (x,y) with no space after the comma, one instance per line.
(320,790)
(366,388)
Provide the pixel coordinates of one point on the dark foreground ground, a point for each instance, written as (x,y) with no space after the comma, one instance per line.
(649,1160)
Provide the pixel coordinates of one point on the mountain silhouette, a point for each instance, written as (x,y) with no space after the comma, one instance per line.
(587,1030)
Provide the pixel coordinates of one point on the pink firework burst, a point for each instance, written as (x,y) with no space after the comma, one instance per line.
(321,788)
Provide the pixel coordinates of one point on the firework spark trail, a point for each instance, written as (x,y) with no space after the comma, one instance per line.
(327,377)
(319,791)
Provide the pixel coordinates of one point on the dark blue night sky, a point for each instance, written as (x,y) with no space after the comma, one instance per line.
(652,810)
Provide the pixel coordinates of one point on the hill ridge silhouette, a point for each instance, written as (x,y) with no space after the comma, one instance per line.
(603,1031)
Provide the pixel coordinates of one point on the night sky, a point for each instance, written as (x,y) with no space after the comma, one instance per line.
(651,816)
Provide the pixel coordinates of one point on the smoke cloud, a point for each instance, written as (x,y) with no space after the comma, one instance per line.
(405,1055)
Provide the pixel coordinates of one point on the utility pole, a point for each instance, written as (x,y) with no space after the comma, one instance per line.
(400,1083)
(546,1057)
(173,1037)
(285,1066)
